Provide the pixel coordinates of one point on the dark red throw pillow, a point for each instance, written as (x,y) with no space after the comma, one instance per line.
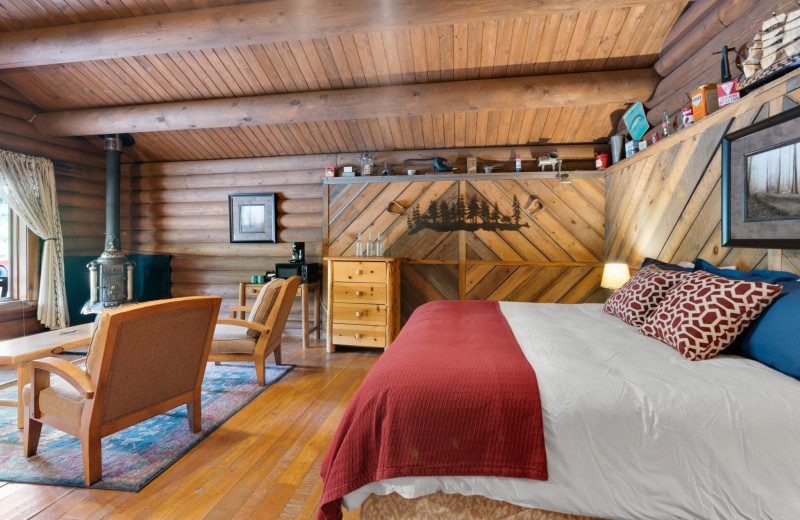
(705,313)
(635,300)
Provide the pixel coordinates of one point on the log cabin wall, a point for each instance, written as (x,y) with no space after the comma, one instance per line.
(665,202)
(554,256)
(687,57)
(80,183)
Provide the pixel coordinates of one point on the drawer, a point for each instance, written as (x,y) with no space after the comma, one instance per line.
(359,313)
(359,292)
(359,272)
(252,289)
(359,335)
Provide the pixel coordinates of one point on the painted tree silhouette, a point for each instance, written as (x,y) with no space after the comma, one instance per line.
(444,211)
(473,209)
(516,210)
(495,214)
(485,212)
(433,211)
(461,209)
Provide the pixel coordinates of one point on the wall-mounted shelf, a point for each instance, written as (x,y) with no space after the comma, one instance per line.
(431,177)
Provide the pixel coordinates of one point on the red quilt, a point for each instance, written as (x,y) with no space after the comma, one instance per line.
(453,395)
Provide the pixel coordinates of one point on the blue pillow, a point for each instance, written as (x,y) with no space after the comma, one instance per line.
(664,265)
(774,338)
(759,275)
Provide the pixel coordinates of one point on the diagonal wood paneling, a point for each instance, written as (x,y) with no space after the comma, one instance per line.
(667,203)
(564,241)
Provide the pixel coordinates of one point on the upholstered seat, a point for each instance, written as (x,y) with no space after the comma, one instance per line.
(259,335)
(144,360)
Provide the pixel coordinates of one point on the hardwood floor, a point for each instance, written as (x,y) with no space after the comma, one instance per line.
(262,463)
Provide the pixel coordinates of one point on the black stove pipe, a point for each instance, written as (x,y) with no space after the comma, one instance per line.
(113,148)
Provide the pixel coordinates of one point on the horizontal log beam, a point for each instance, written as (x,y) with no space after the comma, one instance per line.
(557,90)
(259,23)
(207,208)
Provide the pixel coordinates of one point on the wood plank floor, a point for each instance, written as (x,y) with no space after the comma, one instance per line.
(262,463)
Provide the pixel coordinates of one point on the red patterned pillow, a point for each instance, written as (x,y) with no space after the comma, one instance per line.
(635,300)
(706,312)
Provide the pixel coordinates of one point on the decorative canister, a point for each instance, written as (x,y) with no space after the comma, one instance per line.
(704,101)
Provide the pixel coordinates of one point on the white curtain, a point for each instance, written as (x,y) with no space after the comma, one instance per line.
(28,184)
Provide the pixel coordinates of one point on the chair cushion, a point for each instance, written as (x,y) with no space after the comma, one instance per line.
(232,339)
(60,401)
(263,305)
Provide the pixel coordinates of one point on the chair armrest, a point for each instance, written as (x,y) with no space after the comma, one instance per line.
(242,323)
(73,375)
(240,308)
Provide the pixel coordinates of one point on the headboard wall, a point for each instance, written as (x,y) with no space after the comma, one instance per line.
(665,202)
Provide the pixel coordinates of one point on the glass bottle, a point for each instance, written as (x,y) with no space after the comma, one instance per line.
(379,246)
(369,251)
(666,125)
(359,246)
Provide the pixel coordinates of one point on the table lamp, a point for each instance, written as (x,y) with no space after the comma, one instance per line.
(615,276)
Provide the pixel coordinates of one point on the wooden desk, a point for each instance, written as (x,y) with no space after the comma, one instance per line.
(252,289)
(22,351)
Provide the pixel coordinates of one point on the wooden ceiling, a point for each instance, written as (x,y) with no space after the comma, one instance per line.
(568,39)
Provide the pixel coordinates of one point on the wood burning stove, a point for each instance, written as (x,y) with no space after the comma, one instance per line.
(111,274)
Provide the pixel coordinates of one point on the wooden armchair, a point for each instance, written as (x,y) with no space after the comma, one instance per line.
(144,360)
(259,335)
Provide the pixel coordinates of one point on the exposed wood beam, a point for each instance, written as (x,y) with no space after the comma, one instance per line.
(258,23)
(558,90)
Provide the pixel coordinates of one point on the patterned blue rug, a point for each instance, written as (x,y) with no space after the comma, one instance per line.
(134,456)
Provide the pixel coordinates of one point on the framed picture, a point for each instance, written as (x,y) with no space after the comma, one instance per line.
(252,217)
(761,183)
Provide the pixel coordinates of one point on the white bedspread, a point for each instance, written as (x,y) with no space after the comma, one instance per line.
(635,431)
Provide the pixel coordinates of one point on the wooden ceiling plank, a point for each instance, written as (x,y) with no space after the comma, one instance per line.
(325,133)
(509,126)
(669,15)
(437,126)
(446,37)
(419,54)
(243,145)
(580,39)
(519,37)
(396,133)
(547,43)
(303,138)
(460,130)
(245,75)
(290,62)
(314,63)
(460,51)
(340,58)
(328,62)
(147,68)
(492,127)
(587,115)
(120,83)
(254,135)
(377,136)
(174,74)
(313,135)
(278,67)
(432,52)
(609,39)
(364,47)
(98,84)
(269,137)
(386,137)
(565,34)
(642,38)
(472,129)
(222,147)
(378,58)
(353,60)
(190,66)
(449,122)
(533,40)
(294,146)
(627,33)
(525,127)
(402,42)
(561,132)
(229,72)
(333,128)
(253,23)
(474,51)
(505,31)
(481,128)
(270,72)
(408,133)
(393,63)
(365,132)
(359,139)
(488,48)
(594,38)
(350,144)
(416,132)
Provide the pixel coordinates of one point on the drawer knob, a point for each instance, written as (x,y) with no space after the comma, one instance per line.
(359,293)
(359,271)
(358,314)
(359,335)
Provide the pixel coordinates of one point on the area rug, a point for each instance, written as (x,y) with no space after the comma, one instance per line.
(134,456)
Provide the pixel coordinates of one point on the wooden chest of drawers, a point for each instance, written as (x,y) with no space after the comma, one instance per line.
(363,301)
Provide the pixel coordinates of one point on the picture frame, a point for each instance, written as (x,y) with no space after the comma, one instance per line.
(253,218)
(761,183)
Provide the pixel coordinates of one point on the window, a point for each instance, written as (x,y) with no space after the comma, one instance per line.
(5,249)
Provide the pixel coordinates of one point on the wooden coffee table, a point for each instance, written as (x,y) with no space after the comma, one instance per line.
(20,352)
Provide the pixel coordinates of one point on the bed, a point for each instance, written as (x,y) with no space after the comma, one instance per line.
(632,429)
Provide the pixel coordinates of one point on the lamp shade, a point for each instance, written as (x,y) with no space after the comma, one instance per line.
(615,276)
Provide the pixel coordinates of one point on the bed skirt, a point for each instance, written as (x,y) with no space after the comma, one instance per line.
(452,507)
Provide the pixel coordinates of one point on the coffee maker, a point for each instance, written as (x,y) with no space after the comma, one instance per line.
(298,253)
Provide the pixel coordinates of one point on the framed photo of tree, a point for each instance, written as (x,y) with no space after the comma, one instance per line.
(252,217)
